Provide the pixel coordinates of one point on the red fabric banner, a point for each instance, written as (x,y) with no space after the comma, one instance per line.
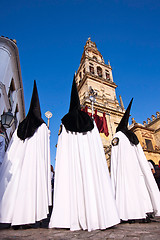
(101,122)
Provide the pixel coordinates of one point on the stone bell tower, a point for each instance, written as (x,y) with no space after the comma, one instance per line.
(94,75)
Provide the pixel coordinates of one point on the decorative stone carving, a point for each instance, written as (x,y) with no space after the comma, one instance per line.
(158,114)
(144,123)
(157,148)
(133,121)
(148,120)
(102,60)
(121,102)
(153,117)
(147,135)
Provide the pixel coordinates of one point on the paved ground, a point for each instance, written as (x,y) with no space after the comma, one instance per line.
(126,231)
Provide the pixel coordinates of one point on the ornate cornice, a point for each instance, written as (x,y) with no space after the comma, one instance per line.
(96,79)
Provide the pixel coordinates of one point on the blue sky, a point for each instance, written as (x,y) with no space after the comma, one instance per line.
(51,35)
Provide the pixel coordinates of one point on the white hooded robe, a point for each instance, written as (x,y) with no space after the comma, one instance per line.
(134,186)
(83,197)
(25,184)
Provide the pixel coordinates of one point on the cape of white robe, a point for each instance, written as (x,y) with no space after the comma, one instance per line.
(134,186)
(83,197)
(25,183)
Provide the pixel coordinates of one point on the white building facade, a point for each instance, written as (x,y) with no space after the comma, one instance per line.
(11,86)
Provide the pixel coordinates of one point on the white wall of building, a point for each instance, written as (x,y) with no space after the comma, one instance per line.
(11,87)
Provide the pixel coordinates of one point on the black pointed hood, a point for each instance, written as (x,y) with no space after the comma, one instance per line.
(124,121)
(123,126)
(33,120)
(76,120)
(74,102)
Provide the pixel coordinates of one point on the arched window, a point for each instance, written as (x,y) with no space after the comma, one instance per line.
(91,69)
(11,93)
(94,57)
(107,75)
(99,71)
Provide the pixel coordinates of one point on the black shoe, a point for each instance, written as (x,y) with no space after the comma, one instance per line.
(16,227)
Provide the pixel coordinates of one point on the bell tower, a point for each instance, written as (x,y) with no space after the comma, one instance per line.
(94,75)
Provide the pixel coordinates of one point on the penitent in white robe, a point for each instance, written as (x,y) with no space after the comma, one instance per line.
(134,186)
(83,197)
(25,185)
